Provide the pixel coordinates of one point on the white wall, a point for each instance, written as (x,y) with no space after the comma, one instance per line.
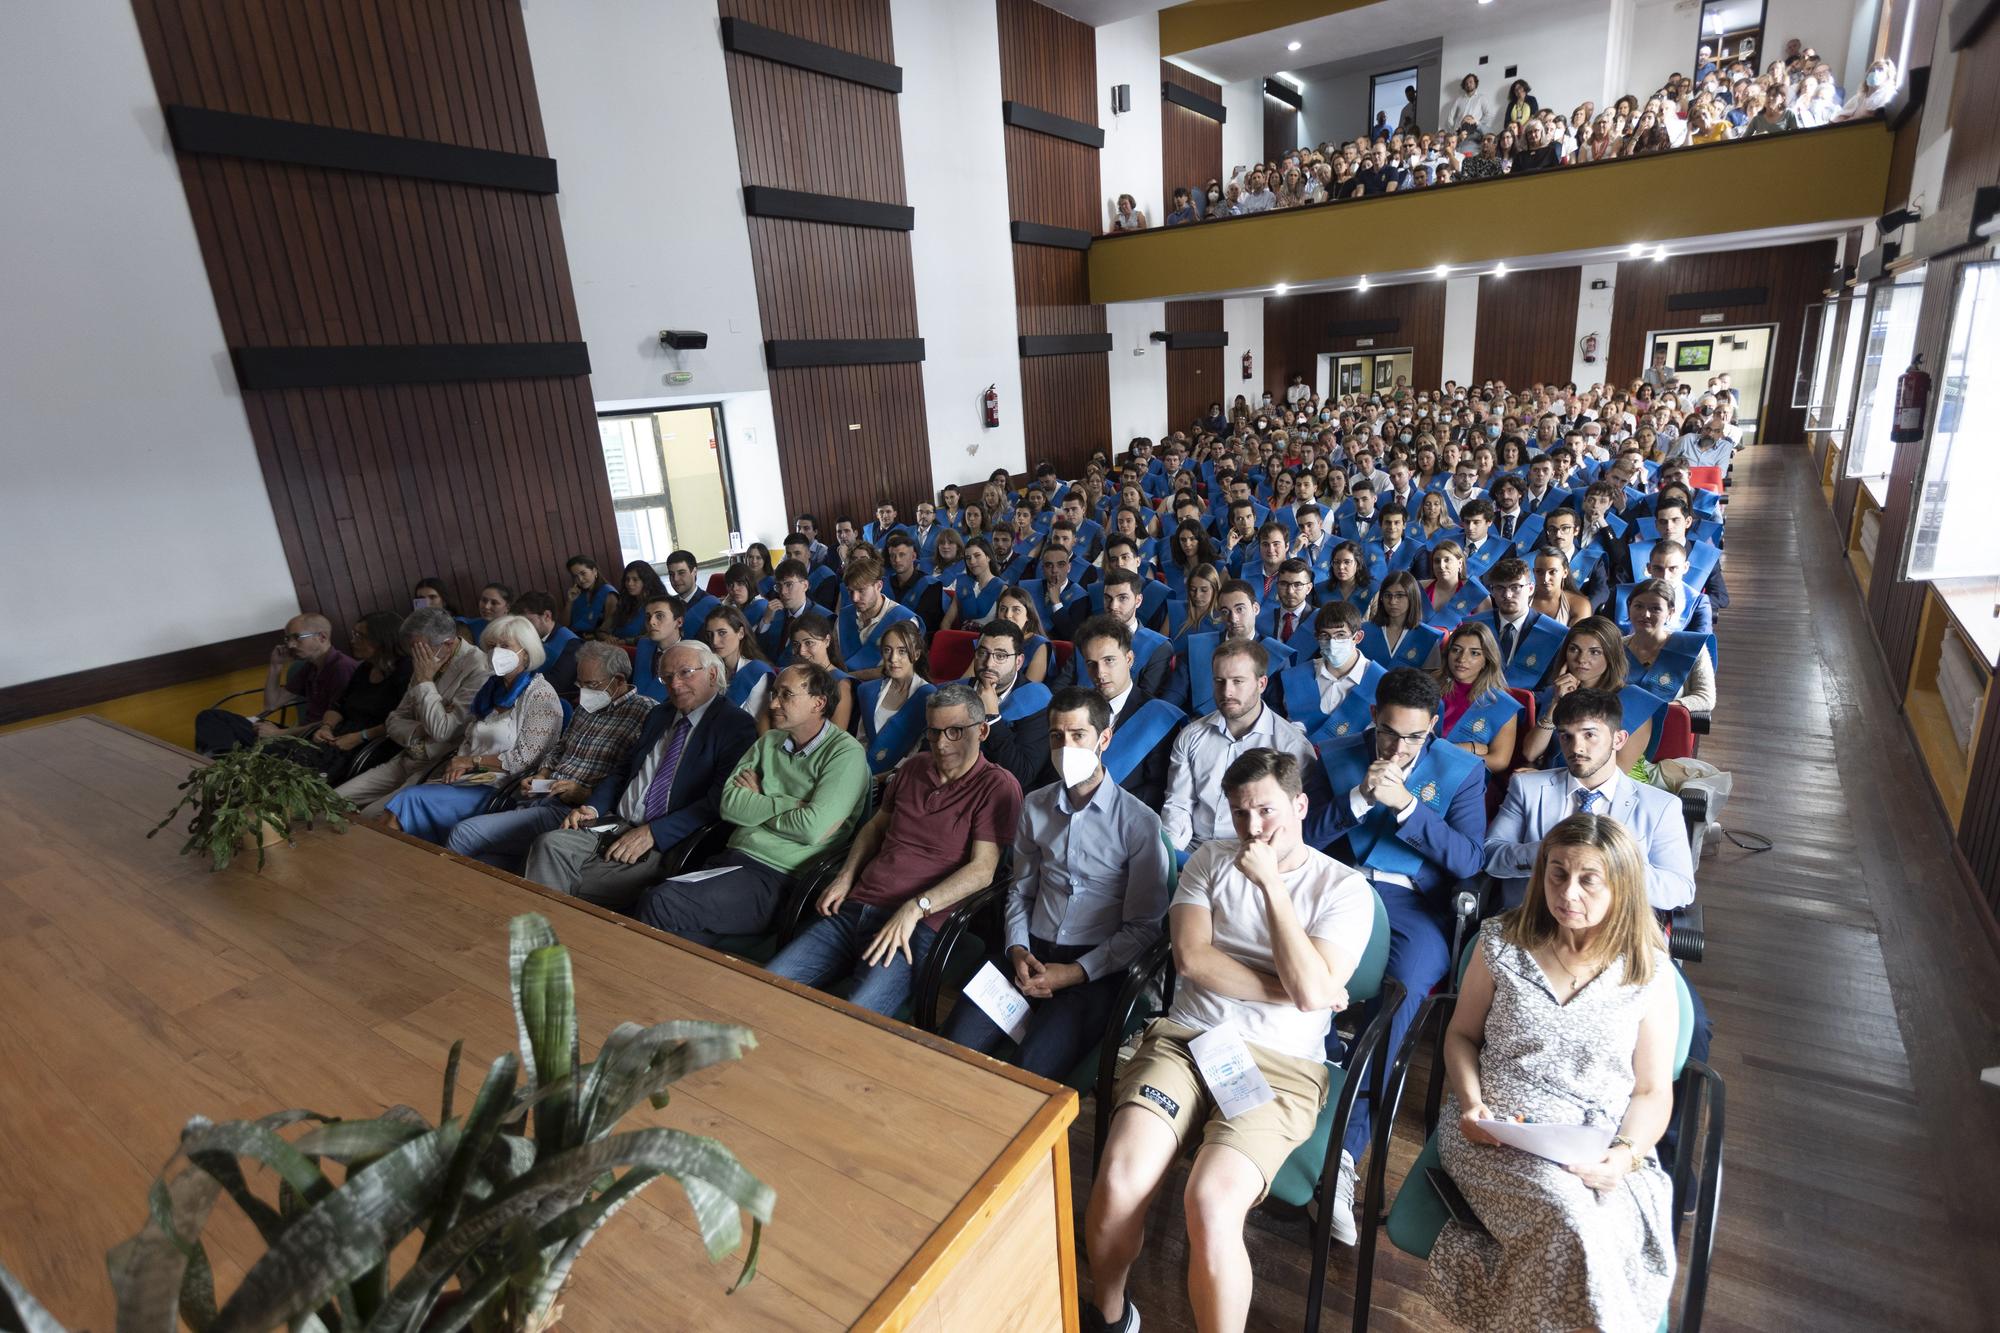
(127,457)
(1593,315)
(1338,107)
(955,178)
(1562,56)
(1243,130)
(1243,316)
(1461,326)
(1138,383)
(1665,34)
(1129,52)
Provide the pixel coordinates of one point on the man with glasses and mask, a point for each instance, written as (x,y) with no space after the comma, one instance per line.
(1528,639)
(304,669)
(1328,694)
(665,786)
(1410,814)
(791,794)
(935,841)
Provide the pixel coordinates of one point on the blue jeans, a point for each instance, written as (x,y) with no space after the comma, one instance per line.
(830,949)
(1419,954)
(1061,1029)
(502,838)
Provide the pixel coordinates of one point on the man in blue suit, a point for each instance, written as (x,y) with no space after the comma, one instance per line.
(669,785)
(1411,811)
(1288,613)
(1529,641)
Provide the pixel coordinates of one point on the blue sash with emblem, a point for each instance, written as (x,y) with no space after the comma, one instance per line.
(1485,719)
(1438,774)
(1352,717)
(976,607)
(1135,738)
(586,609)
(1637,706)
(861,654)
(1540,641)
(1412,650)
(645,677)
(1471,593)
(1479,563)
(1667,677)
(1198,662)
(1146,642)
(911,597)
(900,735)
(748,673)
(1298,691)
(1027,697)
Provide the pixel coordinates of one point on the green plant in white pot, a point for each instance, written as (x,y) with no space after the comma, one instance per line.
(505,1197)
(252,794)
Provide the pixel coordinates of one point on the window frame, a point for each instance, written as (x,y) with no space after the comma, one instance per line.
(1923,482)
(651,500)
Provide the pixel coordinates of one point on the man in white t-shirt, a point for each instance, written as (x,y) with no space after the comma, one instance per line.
(1266,932)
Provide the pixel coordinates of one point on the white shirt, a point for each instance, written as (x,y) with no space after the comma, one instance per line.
(1333,904)
(1334,689)
(1195,809)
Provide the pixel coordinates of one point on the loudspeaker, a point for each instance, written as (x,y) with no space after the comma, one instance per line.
(683,340)
(1121,97)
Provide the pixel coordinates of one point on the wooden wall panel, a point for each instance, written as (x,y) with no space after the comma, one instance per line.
(1281,130)
(1295,329)
(373,487)
(1527,326)
(1190,143)
(1049,61)
(1194,374)
(799,130)
(1794,275)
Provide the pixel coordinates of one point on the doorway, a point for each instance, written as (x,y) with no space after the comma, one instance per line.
(670,483)
(1731,30)
(1699,356)
(1363,373)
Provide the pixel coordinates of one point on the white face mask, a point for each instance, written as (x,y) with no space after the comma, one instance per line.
(1076,765)
(504,661)
(590,700)
(1339,653)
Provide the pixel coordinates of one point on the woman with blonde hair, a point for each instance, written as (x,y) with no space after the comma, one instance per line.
(1204,584)
(1569,1014)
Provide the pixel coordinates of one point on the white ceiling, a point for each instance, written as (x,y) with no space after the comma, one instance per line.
(1097,13)
(1372,27)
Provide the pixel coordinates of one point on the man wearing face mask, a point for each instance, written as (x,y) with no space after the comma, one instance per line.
(446,673)
(1328,694)
(607,723)
(1413,820)
(1088,897)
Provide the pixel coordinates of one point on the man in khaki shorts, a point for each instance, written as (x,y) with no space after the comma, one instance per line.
(1266,932)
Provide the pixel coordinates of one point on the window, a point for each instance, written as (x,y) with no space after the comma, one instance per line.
(1952,536)
(1388,93)
(1885,354)
(668,483)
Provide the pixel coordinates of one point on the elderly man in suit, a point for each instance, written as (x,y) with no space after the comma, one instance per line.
(669,785)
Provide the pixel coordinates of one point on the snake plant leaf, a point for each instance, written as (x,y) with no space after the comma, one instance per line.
(451,1064)
(525,933)
(750,1259)
(349,1141)
(343,1235)
(548,1007)
(470,1303)
(20,1312)
(488,1108)
(634,1063)
(573,1230)
(147,1270)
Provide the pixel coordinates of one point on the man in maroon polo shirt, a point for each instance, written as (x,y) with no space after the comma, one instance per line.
(936,840)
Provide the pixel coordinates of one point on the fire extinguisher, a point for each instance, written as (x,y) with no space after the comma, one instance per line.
(1913,400)
(991,404)
(1246,365)
(1589,348)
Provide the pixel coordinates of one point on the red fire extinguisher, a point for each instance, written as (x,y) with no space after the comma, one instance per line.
(991,403)
(1246,365)
(1913,400)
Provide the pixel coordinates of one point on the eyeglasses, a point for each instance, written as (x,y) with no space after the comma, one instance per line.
(950,735)
(301,638)
(994,654)
(687,673)
(1400,739)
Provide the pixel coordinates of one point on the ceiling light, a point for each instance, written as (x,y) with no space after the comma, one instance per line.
(1659,253)
(1441,271)
(1293,46)
(1363,286)
(1499,270)
(1635,251)
(1281,289)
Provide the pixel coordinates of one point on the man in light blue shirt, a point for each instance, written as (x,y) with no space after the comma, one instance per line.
(1089,897)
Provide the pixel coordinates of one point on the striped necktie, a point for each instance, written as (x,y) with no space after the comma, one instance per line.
(662,785)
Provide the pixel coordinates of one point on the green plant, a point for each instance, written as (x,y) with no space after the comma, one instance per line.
(504,1212)
(245,792)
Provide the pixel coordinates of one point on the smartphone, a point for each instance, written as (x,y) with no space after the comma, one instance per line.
(1454,1200)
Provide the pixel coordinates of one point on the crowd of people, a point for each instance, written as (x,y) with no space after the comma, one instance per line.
(1480,135)
(1244,688)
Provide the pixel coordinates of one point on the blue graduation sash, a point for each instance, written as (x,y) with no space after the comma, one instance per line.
(1027,697)
(1622,613)
(1529,532)
(586,609)
(553,647)
(645,678)
(860,654)
(1485,719)
(1585,560)
(1669,672)
(915,595)
(1151,600)
(949,576)
(1285,518)
(1555,499)
(1352,717)
(1541,639)
(1438,774)
(1638,707)
(887,747)
(1298,689)
(1037,590)
(1412,650)
(818,575)
(698,609)
(974,605)
(1198,662)
(1320,560)
(745,680)
(476,624)
(1146,642)
(1381,565)
(1491,552)
(1137,736)
(1471,593)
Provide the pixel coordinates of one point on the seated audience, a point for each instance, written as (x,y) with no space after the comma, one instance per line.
(1569,1003)
(944,818)
(660,630)
(590,597)
(1266,932)
(1528,640)
(639,584)
(1195,807)
(495,600)
(446,673)
(304,670)
(867,611)
(746,675)
(811,641)
(667,786)
(791,597)
(1477,713)
(1593,657)
(1671,664)
(380,676)
(1010,703)
(682,571)
(600,736)
(559,642)
(908,585)
(1017,607)
(892,705)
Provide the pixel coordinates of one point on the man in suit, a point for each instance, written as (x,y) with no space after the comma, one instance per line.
(1288,612)
(1409,812)
(1529,641)
(1122,598)
(791,598)
(1010,565)
(681,569)
(1142,723)
(885,523)
(1060,601)
(668,786)
(1189,686)
(790,794)
(907,584)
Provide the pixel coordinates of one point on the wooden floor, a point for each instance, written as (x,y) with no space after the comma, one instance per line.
(1854,994)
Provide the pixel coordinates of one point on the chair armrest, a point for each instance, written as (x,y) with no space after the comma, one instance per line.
(1700,723)
(810,881)
(1687,940)
(706,841)
(1702,1093)
(929,987)
(364,757)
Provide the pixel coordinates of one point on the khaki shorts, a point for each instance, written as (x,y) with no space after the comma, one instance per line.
(1162,1077)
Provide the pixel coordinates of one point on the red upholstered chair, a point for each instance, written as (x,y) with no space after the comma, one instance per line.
(951,653)
(1676,735)
(1706,478)
(1061,650)
(715,584)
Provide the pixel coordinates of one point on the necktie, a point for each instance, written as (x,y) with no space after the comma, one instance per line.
(1506,525)
(662,785)
(1291,625)
(1509,637)
(1586,801)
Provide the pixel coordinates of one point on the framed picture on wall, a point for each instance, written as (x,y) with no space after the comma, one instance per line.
(1385,373)
(1695,355)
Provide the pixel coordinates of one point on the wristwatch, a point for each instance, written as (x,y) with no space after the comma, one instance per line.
(924,906)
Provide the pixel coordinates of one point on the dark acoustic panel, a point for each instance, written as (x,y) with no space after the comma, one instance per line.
(267,139)
(1361,328)
(1710,300)
(1285,93)
(762,201)
(329,367)
(752,39)
(1025,117)
(796,353)
(1062,238)
(1180,342)
(1064,344)
(1194,101)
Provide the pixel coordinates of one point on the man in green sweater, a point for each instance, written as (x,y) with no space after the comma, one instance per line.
(796,793)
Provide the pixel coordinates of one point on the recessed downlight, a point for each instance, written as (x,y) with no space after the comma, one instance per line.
(1281,288)
(1293,46)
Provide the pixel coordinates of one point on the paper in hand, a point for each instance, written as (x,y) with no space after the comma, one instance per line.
(1565,1145)
(1230,1072)
(696,876)
(999,1001)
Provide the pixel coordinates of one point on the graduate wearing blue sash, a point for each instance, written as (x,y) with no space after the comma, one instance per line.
(1667,675)
(646,670)
(975,605)
(749,674)
(1484,719)
(700,604)
(586,609)
(1027,698)
(1469,596)
(1301,691)
(1536,645)
(1413,648)
(1641,710)
(1136,736)
(888,745)
(1701,556)
(1193,683)
(864,653)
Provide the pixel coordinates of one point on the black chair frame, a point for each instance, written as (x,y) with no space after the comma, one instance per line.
(928,991)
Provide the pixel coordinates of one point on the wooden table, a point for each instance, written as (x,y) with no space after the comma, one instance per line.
(918,1186)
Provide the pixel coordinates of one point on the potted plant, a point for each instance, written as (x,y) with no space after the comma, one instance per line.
(256,795)
(505,1197)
